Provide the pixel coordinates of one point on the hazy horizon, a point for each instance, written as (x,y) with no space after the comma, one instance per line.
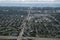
(32,3)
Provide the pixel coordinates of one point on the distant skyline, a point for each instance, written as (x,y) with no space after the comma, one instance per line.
(29,2)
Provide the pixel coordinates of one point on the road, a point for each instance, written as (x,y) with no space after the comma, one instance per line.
(24,24)
(34,38)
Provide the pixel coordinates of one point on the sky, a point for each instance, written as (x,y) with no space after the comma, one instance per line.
(17,1)
(21,2)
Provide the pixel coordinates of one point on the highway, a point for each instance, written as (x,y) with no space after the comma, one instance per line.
(35,38)
(23,24)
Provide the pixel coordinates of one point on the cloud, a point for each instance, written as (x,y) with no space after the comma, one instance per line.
(24,0)
(18,1)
